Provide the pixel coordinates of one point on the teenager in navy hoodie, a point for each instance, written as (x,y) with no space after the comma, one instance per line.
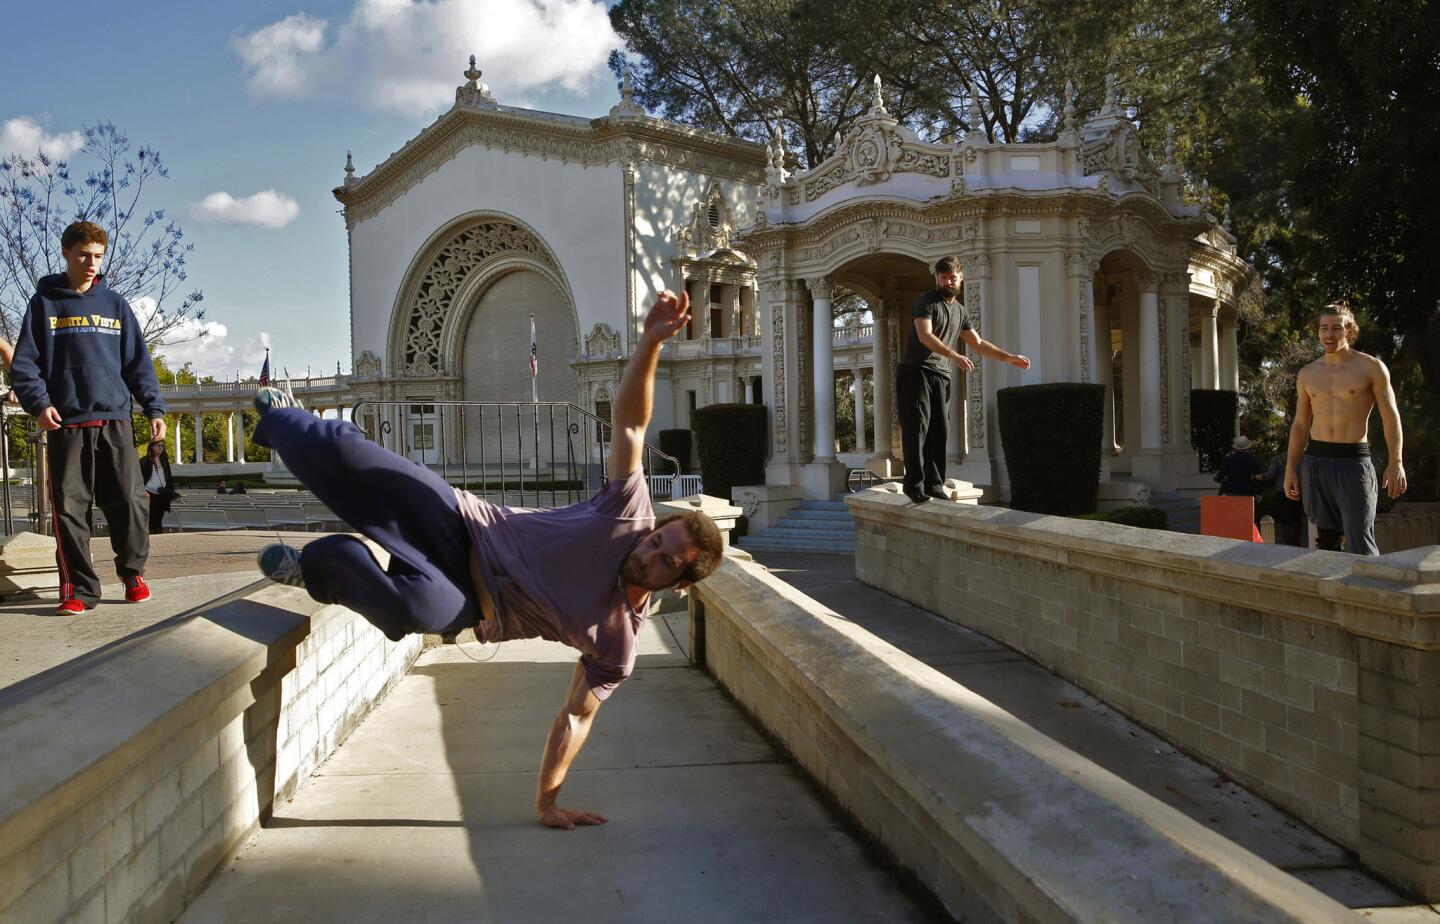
(80,357)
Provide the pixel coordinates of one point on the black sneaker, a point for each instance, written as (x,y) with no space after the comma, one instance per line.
(937,493)
(918,496)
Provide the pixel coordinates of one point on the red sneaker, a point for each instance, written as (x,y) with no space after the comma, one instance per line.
(71,607)
(136,590)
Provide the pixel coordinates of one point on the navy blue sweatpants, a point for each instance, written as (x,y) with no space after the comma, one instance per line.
(405,508)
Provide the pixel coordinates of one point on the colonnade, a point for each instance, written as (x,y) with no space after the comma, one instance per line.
(234,433)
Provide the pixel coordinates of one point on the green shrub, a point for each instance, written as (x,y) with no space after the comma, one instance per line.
(1145,517)
(731,440)
(1051,436)
(677,443)
(1212,425)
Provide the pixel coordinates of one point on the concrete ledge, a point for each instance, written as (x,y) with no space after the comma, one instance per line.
(132,773)
(998,820)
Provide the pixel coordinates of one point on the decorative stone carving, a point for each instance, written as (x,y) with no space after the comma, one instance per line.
(632,310)
(432,304)
(473,93)
(1165,373)
(602,341)
(778,361)
(367,365)
(975,380)
(710,227)
(577,142)
(802,374)
(627,108)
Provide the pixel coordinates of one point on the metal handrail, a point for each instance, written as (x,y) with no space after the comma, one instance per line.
(446,417)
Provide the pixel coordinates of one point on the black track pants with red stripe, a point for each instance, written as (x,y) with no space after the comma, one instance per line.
(100,463)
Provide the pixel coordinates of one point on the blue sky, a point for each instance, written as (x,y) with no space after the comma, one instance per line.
(266,97)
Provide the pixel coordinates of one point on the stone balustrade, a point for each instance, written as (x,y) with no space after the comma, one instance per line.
(1311,677)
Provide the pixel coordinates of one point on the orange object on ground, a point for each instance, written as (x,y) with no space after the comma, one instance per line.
(1232,517)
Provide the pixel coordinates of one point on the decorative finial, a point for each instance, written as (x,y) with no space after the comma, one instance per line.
(349,167)
(337,367)
(627,105)
(473,92)
(1170,145)
(974,111)
(877,102)
(1112,94)
(1069,106)
(472,74)
(1204,196)
(1225,219)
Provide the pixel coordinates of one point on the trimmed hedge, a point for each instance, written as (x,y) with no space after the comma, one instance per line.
(1051,436)
(677,443)
(731,441)
(1145,517)
(1212,424)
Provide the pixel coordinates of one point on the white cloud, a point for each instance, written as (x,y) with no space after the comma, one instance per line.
(408,55)
(264,209)
(24,136)
(206,345)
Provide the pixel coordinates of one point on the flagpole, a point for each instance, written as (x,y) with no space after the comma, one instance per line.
(535,397)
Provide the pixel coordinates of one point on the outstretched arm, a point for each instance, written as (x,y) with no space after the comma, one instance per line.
(567,737)
(1394,480)
(633,403)
(986,348)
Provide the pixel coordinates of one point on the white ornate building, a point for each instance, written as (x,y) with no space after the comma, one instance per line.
(1075,251)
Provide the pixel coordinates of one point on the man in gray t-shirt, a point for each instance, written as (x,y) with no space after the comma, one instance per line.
(582,575)
(922,378)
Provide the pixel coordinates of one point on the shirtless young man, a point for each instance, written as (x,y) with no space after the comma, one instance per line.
(1329,458)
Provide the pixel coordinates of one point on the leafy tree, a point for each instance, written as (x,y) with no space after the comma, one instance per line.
(41,195)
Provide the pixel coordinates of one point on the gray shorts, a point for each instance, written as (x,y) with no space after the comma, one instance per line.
(1340,495)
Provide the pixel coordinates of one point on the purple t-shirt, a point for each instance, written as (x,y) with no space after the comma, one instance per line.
(555,574)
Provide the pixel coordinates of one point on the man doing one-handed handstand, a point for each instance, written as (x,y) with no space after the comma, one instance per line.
(582,575)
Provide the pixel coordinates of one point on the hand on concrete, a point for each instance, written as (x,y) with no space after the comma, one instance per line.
(1394,480)
(1021,362)
(668,315)
(49,419)
(157,429)
(556,817)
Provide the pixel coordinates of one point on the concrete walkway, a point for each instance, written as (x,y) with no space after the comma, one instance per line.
(426,812)
(1087,726)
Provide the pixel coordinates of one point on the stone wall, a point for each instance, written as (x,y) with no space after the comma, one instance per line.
(997,820)
(1306,676)
(133,774)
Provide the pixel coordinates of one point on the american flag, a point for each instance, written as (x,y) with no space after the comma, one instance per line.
(265,370)
(534,352)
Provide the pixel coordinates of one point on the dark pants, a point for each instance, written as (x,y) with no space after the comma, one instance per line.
(159,506)
(403,507)
(921,397)
(1340,495)
(96,464)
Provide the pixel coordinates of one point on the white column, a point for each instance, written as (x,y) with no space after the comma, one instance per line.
(230,437)
(199,438)
(859,409)
(179,440)
(1229,357)
(749,388)
(240,434)
(1149,347)
(1209,358)
(881,383)
(824,367)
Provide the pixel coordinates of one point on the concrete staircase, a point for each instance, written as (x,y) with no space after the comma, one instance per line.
(1182,512)
(809,526)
